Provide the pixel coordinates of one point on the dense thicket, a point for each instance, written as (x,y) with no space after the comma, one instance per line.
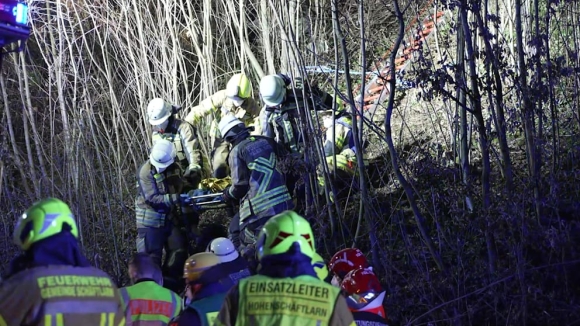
(470,217)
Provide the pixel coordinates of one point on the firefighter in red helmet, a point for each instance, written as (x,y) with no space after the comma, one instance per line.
(345,261)
(365,297)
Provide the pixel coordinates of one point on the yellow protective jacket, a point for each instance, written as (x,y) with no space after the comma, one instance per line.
(302,300)
(342,145)
(219,103)
(60,296)
(182,135)
(158,194)
(147,303)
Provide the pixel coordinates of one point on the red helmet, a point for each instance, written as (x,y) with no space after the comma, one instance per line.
(347,260)
(361,281)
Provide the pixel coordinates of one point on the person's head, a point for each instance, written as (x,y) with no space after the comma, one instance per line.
(224,249)
(158,113)
(284,232)
(345,261)
(239,88)
(44,219)
(141,266)
(320,267)
(364,290)
(194,268)
(272,90)
(231,127)
(162,154)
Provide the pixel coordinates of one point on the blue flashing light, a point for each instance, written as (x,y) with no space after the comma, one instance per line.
(21,13)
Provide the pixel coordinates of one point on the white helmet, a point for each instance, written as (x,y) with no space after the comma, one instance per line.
(162,154)
(227,122)
(158,111)
(272,90)
(223,248)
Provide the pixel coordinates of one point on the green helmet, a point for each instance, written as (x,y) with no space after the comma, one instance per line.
(281,231)
(320,267)
(43,220)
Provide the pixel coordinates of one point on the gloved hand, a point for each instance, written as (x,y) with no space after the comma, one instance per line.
(192,170)
(185,200)
(226,196)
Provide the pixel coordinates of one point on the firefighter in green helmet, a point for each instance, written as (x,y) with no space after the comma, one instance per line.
(54,283)
(286,290)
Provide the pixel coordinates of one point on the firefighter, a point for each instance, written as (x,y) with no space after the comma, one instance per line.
(234,266)
(256,183)
(286,290)
(204,290)
(345,261)
(237,99)
(339,144)
(54,284)
(182,134)
(280,116)
(161,211)
(365,297)
(146,301)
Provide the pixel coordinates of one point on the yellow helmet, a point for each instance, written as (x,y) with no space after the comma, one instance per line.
(42,220)
(282,231)
(320,267)
(197,264)
(239,86)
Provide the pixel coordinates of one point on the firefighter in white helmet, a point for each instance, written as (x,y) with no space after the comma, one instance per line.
(279,118)
(161,210)
(233,266)
(257,183)
(182,134)
(235,98)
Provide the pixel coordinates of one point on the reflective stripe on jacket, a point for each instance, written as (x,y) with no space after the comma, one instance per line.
(60,296)
(254,161)
(148,304)
(303,300)
(182,135)
(207,308)
(157,194)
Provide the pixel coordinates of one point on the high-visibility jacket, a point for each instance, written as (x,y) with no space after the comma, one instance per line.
(219,103)
(60,296)
(343,145)
(257,181)
(147,303)
(183,136)
(207,308)
(158,194)
(303,300)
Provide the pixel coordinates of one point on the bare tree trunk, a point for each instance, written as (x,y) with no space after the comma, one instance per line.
(15,152)
(419,219)
(475,100)
(528,110)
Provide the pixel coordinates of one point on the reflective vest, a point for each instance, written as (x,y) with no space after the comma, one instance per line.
(303,300)
(150,303)
(162,184)
(208,308)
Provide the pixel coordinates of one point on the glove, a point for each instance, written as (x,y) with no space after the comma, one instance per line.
(184,200)
(226,197)
(192,169)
